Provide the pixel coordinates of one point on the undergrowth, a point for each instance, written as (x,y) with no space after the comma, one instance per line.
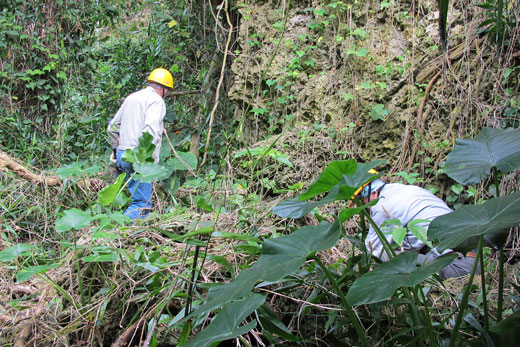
(75,271)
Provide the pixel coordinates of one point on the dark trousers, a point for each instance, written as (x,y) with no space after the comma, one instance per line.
(141,193)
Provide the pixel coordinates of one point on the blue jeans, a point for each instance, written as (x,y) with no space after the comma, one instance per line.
(141,193)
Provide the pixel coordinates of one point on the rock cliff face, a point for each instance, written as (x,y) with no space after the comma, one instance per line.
(367,74)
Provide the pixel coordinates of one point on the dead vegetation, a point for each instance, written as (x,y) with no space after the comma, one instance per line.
(47,309)
(121,297)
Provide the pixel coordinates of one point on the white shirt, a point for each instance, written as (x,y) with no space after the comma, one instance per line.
(142,111)
(405,203)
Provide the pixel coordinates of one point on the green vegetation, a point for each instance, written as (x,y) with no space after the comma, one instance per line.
(278,112)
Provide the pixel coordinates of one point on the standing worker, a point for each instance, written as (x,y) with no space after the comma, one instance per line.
(142,111)
(406,203)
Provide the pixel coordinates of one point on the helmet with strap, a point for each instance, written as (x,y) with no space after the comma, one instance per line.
(161,76)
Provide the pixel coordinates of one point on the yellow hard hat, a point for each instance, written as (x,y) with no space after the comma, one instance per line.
(372,186)
(372,171)
(161,76)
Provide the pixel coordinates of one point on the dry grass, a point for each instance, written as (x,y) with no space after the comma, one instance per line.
(120,298)
(49,312)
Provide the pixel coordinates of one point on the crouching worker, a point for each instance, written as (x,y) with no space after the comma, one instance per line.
(406,203)
(142,111)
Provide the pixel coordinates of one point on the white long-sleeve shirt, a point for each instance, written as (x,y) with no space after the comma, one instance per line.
(142,111)
(405,203)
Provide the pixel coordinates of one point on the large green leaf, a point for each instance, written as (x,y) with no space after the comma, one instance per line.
(165,151)
(28,272)
(235,236)
(225,324)
(348,213)
(282,158)
(143,152)
(120,201)
(345,172)
(148,172)
(340,179)
(330,177)
(296,208)
(272,325)
(281,256)
(460,229)
(472,160)
(119,217)
(401,271)
(15,251)
(73,219)
(99,258)
(221,260)
(507,332)
(108,194)
(187,157)
(171,185)
(75,169)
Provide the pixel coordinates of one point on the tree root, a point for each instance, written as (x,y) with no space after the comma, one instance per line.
(432,73)
(26,329)
(128,335)
(420,121)
(426,73)
(23,172)
(421,117)
(12,164)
